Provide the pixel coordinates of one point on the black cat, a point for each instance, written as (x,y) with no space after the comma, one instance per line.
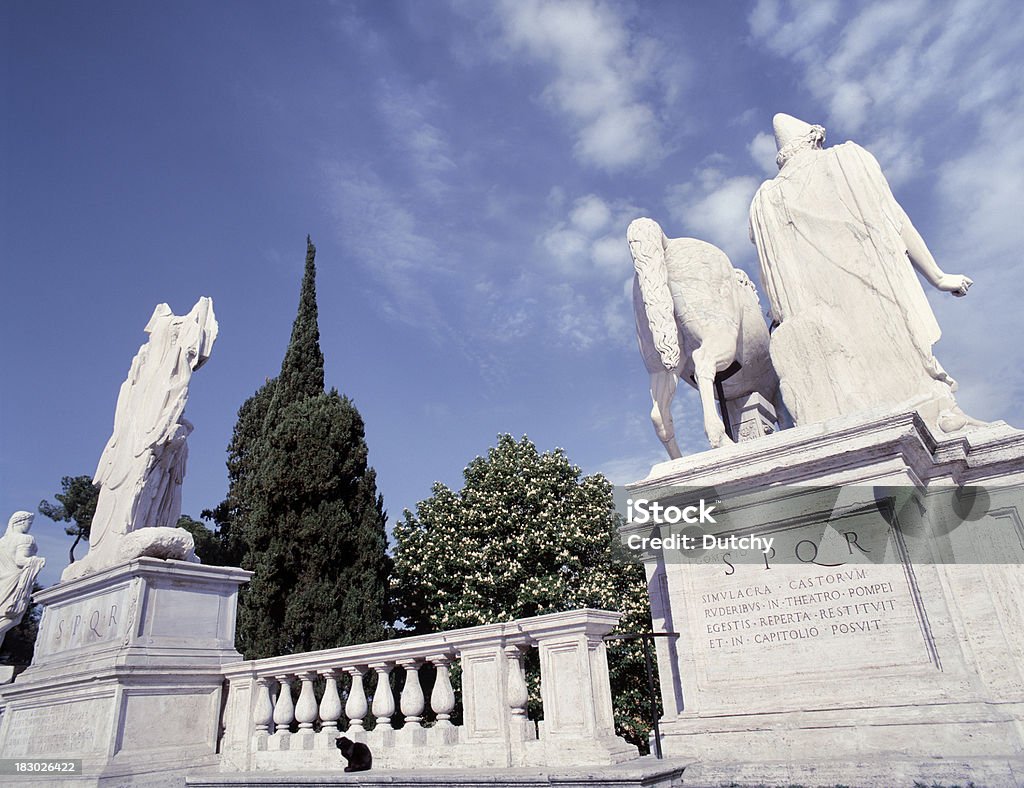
(356,753)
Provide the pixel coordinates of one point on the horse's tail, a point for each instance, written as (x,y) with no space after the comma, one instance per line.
(645,243)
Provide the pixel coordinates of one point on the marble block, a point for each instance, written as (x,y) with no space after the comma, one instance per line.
(127,672)
(873,642)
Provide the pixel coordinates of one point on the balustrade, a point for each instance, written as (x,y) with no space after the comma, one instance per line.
(494,730)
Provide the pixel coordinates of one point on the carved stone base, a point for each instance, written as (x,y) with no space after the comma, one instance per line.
(127,673)
(751,417)
(880,635)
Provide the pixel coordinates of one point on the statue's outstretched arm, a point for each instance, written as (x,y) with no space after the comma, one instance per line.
(917,251)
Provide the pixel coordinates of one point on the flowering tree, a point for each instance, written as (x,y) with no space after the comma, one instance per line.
(528,534)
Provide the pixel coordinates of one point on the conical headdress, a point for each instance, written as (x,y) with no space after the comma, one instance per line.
(787,128)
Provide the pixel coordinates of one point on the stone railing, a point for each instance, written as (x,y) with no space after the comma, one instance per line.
(267,729)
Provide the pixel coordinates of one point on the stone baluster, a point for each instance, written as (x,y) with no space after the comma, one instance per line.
(263,715)
(330,704)
(306,709)
(412,692)
(520,726)
(518,692)
(383,697)
(442,698)
(355,706)
(284,709)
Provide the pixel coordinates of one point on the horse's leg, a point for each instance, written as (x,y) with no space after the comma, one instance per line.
(715,354)
(663,388)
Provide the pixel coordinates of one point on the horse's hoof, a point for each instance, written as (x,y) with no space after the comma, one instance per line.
(718,437)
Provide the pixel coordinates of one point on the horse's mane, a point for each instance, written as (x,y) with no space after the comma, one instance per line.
(645,243)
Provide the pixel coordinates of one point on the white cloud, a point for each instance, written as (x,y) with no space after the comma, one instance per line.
(983,190)
(899,155)
(567,248)
(849,105)
(796,35)
(618,316)
(610,254)
(591,241)
(590,214)
(602,75)
(586,260)
(890,60)
(405,114)
(386,235)
(762,150)
(714,208)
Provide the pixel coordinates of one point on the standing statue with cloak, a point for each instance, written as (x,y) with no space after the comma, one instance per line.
(19,566)
(838,254)
(143,465)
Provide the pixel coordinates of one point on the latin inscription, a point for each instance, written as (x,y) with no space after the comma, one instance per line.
(56,731)
(84,622)
(824,596)
(818,606)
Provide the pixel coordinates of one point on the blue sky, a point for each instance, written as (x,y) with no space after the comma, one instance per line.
(467,171)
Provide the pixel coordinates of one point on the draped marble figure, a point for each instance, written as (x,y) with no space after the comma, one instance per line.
(142,467)
(838,254)
(19,566)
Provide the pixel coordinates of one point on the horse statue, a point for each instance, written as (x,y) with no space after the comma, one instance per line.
(699,319)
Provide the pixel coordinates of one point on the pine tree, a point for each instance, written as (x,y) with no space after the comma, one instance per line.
(76,504)
(302,510)
(528,534)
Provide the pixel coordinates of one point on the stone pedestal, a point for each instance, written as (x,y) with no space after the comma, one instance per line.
(879,640)
(127,674)
(751,417)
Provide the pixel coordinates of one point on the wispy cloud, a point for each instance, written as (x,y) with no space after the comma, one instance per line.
(384,232)
(591,241)
(713,206)
(604,79)
(762,151)
(885,63)
(425,146)
(586,258)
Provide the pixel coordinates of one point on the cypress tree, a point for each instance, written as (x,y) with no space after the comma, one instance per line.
(302,371)
(302,508)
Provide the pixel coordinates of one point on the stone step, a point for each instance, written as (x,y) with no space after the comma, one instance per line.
(643,772)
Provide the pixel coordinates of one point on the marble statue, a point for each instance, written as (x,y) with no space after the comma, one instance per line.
(696,317)
(19,566)
(838,253)
(142,467)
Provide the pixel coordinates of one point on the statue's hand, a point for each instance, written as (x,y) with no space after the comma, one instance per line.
(957,284)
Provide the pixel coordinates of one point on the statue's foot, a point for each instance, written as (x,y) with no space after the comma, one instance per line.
(955,419)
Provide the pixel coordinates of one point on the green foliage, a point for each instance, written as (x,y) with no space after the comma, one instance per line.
(302,371)
(76,504)
(242,476)
(210,545)
(302,510)
(526,535)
